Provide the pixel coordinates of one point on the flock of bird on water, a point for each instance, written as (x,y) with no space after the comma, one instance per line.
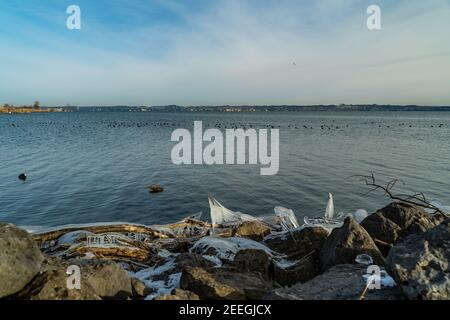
(230,125)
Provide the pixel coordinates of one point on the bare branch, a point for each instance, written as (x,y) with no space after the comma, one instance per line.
(417,199)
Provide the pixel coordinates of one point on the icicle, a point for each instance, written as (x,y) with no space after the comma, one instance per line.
(222,215)
(287,218)
(329,212)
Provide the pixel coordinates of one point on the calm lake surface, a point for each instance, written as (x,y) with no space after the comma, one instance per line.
(94,167)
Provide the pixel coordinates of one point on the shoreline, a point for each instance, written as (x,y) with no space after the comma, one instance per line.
(249,258)
(28,110)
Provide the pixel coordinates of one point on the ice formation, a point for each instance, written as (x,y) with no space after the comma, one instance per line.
(149,277)
(222,215)
(364,259)
(329,211)
(286,218)
(226,248)
(384,278)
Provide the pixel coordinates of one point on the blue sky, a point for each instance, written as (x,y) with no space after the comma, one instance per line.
(198,52)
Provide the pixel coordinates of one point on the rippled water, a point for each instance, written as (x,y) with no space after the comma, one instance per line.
(94,167)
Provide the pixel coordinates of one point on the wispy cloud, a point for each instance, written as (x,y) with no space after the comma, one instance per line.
(226,52)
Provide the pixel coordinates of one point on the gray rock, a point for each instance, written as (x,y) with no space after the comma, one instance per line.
(301,270)
(342,282)
(51,284)
(396,221)
(252,260)
(298,243)
(20,259)
(108,280)
(99,280)
(346,243)
(192,260)
(219,284)
(420,264)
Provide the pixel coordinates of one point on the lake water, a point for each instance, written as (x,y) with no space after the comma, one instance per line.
(94,167)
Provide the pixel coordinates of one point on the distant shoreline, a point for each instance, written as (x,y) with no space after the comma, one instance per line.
(268,108)
(230,109)
(28,110)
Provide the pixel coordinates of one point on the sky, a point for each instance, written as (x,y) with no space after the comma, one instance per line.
(224,52)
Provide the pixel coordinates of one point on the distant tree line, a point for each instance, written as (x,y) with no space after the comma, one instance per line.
(36,106)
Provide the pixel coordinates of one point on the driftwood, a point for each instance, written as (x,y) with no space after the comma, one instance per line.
(133,244)
(155,232)
(129,253)
(118,228)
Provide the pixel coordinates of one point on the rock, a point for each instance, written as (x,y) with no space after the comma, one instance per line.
(139,288)
(20,259)
(341,282)
(222,284)
(98,280)
(252,260)
(420,264)
(225,249)
(298,243)
(179,294)
(154,188)
(383,231)
(396,221)
(99,276)
(302,249)
(51,284)
(298,271)
(253,230)
(191,260)
(176,245)
(346,243)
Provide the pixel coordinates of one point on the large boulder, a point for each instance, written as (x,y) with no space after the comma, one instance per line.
(191,260)
(253,230)
(298,243)
(396,221)
(420,264)
(252,260)
(287,273)
(20,259)
(108,280)
(98,280)
(220,284)
(51,284)
(282,271)
(342,282)
(346,243)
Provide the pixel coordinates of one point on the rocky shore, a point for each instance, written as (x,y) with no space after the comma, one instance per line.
(190,260)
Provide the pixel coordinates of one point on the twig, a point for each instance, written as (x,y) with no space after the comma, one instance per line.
(417,199)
